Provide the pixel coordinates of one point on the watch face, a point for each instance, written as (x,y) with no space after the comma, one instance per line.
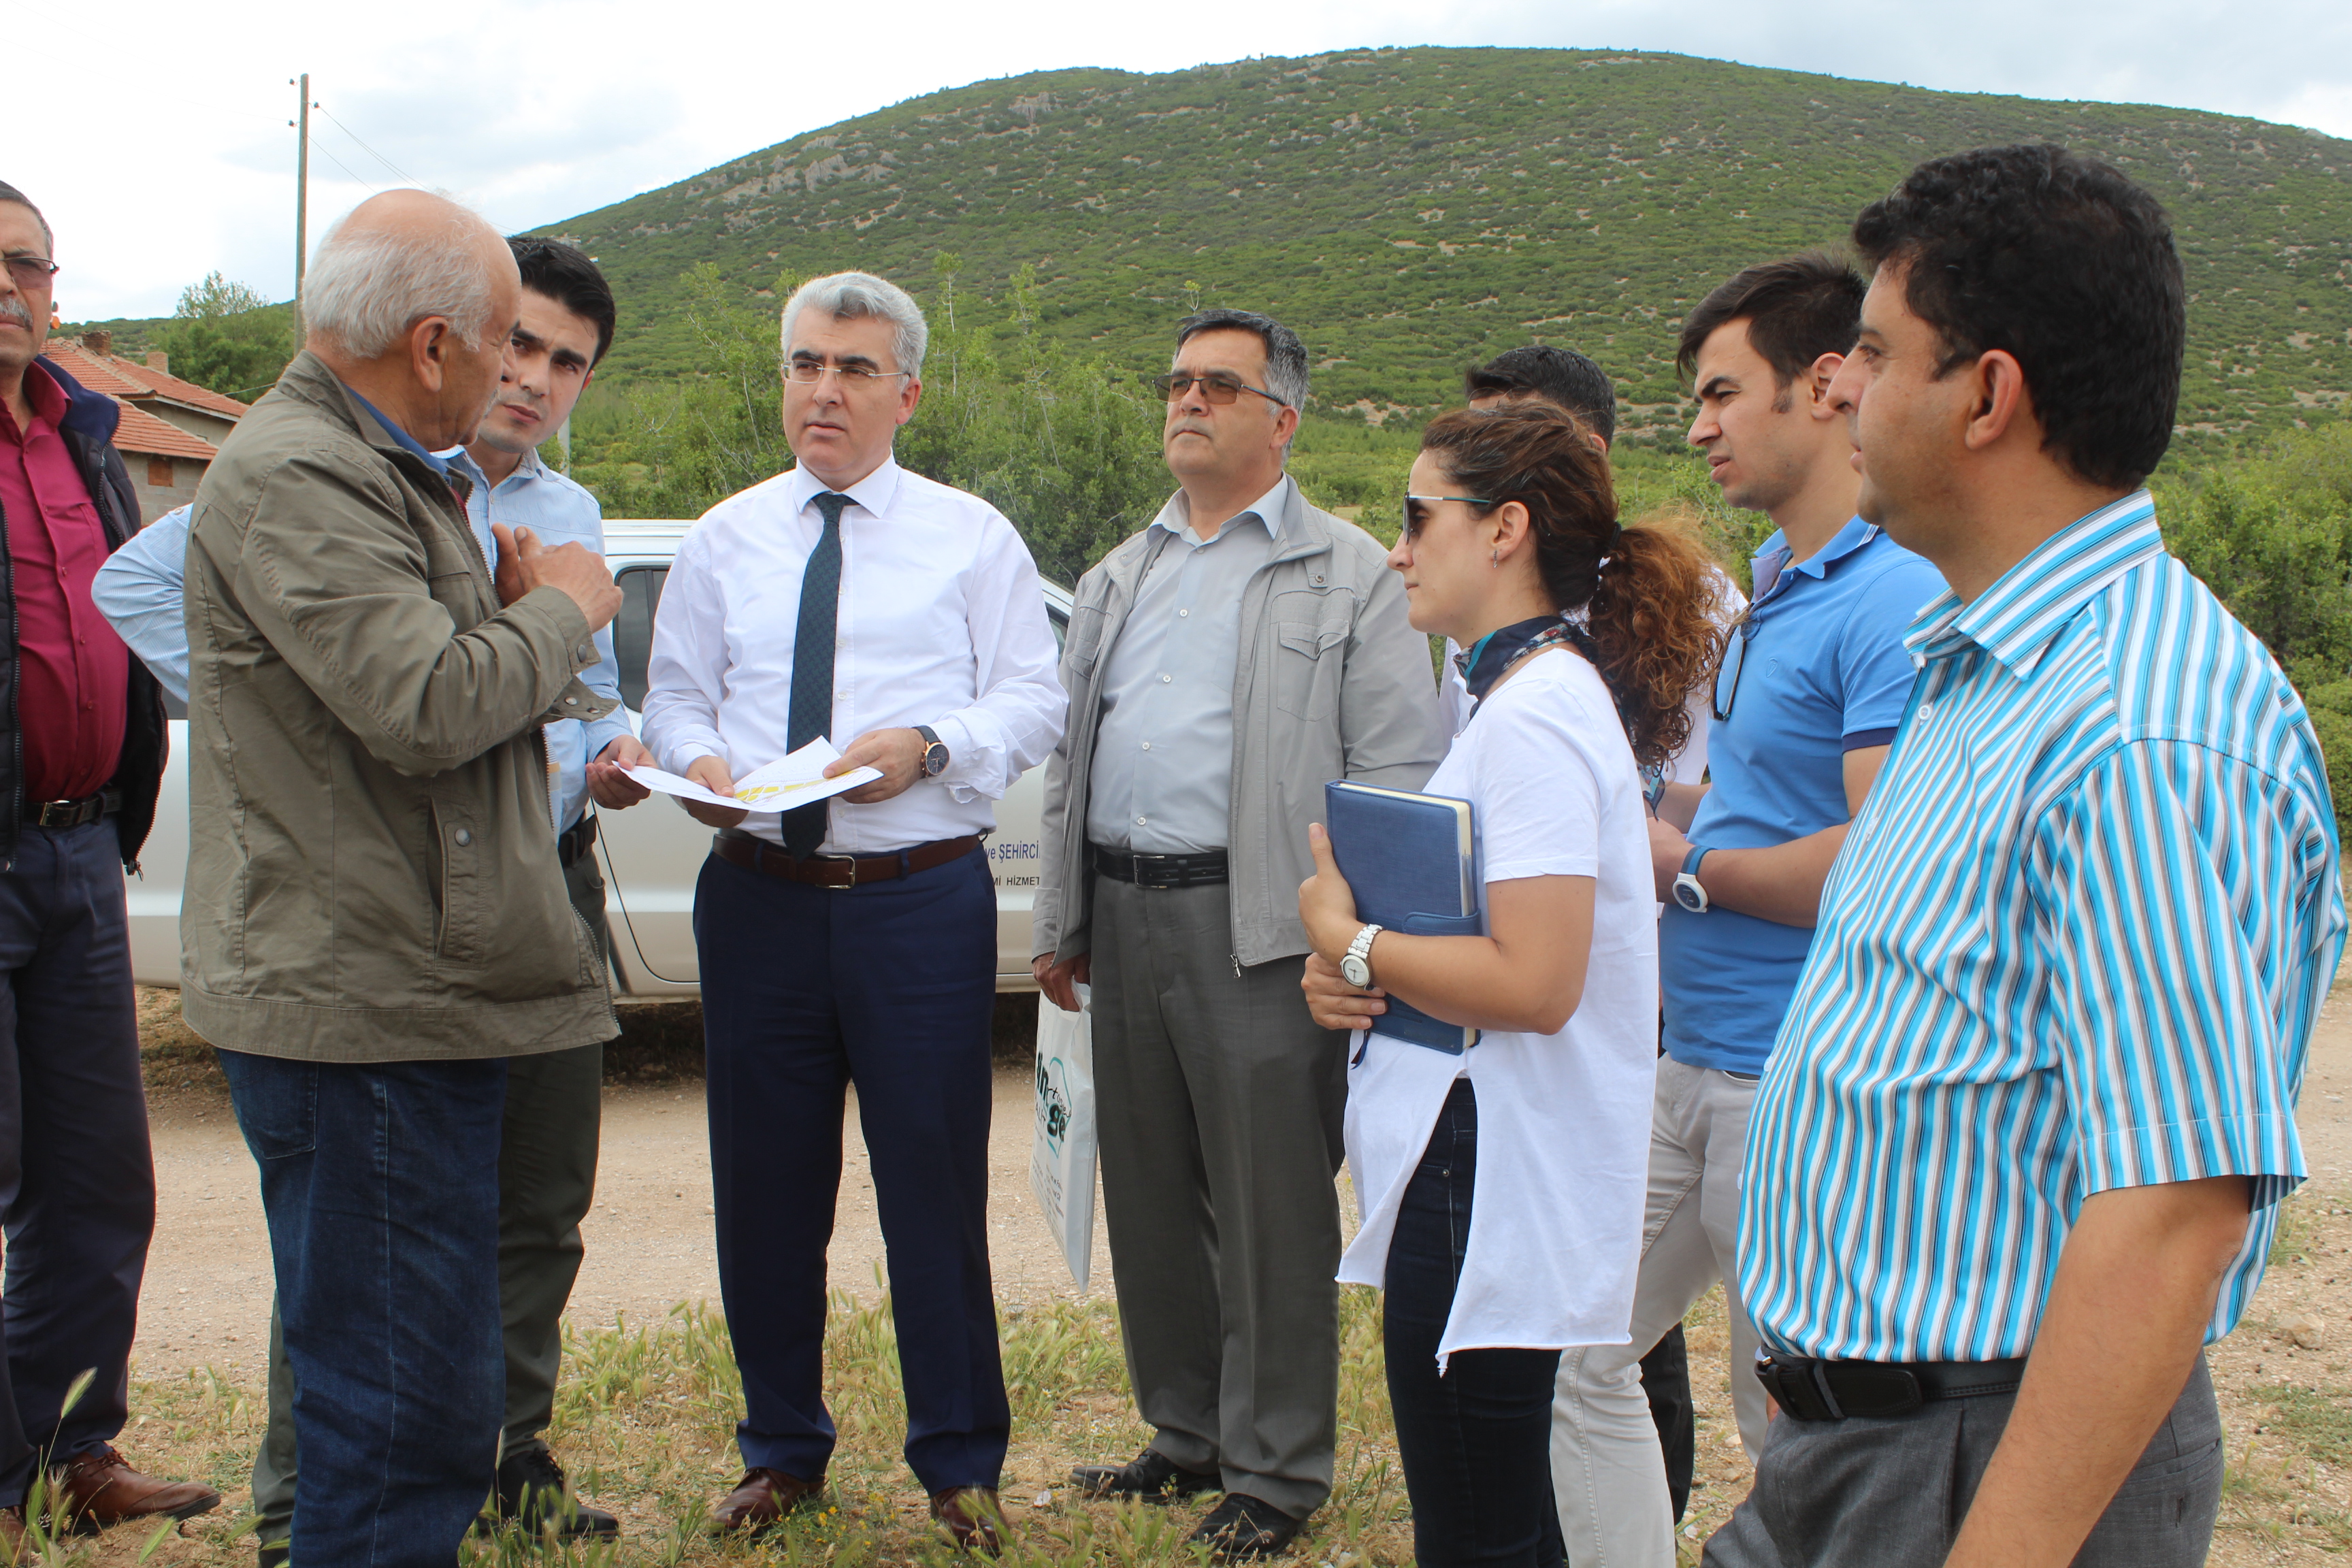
(935,760)
(1355,972)
(1689,894)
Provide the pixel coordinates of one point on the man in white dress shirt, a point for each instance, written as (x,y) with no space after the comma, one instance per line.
(853,940)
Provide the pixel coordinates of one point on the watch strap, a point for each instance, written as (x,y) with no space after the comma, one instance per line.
(931,743)
(1690,861)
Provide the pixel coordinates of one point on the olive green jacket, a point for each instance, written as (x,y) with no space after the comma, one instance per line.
(372,868)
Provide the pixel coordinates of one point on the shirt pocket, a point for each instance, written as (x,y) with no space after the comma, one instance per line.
(1311,631)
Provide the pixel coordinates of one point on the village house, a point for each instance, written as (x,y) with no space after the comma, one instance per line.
(171,429)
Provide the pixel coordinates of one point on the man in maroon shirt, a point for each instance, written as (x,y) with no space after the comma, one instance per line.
(81,754)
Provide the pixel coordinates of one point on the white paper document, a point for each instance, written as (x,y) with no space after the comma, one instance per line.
(784,784)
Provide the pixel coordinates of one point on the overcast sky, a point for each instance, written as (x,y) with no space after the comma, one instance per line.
(157,144)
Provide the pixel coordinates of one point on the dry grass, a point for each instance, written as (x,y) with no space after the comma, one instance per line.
(646,1419)
(645,1416)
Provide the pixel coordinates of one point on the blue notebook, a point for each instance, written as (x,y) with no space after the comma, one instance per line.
(1413,860)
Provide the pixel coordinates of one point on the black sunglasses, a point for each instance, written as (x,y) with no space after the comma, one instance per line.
(1735,660)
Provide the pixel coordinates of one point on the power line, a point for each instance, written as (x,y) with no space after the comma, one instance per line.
(370,151)
(338,163)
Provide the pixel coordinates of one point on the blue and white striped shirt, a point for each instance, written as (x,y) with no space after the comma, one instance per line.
(2077,941)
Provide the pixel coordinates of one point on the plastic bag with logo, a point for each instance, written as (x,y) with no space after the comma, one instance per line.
(1062,1157)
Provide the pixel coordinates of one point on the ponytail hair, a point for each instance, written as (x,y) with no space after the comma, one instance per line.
(1647,590)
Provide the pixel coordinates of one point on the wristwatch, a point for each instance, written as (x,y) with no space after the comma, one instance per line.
(935,751)
(1687,892)
(1356,965)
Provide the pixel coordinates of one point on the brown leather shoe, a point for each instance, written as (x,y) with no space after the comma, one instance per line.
(761,1499)
(99,1488)
(969,1515)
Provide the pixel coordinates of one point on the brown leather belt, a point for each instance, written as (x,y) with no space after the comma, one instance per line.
(71,813)
(838,870)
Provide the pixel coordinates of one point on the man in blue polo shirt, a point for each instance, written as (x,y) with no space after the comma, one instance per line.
(2018,1152)
(1810,693)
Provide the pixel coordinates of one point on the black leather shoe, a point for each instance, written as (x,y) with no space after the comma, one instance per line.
(1243,1529)
(1151,1476)
(275,1553)
(533,1494)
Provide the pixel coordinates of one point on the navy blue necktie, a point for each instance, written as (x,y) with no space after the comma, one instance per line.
(813,665)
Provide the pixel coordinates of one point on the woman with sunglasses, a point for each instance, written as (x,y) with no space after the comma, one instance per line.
(1502,1189)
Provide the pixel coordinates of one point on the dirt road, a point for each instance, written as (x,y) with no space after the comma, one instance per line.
(649,1238)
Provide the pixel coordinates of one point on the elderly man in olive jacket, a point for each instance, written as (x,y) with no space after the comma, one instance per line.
(375,917)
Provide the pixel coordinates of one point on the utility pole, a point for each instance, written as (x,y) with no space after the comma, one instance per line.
(301,200)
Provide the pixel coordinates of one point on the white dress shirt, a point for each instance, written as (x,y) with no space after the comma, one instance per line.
(941,622)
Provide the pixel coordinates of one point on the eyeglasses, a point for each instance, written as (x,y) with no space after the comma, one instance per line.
(1216,386)
(1412,521)
(1726,673)
(32,271)
(809,371)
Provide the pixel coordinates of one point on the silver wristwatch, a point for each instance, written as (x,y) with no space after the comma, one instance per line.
(1356,965)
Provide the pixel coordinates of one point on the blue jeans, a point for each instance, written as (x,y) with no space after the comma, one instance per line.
(1475,1443)
(77,1183)
(888,986)
(381,1181)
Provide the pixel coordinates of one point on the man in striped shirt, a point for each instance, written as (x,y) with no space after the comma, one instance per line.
(2016,1154)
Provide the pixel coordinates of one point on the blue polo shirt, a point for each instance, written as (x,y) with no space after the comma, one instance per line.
(1818,670)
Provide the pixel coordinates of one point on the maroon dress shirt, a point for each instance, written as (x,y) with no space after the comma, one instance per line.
(73,673)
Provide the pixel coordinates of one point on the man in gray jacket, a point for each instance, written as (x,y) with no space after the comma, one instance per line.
(1222,665)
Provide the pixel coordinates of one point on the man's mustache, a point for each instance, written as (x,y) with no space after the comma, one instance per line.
(13,309)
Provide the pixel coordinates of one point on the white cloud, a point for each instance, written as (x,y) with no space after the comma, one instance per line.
(175,159)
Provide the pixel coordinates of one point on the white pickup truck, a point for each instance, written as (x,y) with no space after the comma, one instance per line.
(651,852)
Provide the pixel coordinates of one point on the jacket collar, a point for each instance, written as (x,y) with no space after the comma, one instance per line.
(92,415)
(308,380)
(2018,618)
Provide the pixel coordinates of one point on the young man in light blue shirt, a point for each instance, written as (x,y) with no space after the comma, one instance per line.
(548,1156)
(1809,695)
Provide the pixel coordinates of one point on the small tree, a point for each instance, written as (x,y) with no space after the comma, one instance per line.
(226,337)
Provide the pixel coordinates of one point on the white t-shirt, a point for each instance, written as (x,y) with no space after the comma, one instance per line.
(1564,1119)
(1689,765)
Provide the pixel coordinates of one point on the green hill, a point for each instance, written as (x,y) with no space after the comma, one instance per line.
(1412,210)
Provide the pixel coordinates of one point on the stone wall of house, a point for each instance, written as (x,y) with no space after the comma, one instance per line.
(162,483)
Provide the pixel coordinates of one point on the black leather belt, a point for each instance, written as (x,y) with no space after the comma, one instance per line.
(574,841)
(1833,1390)
(838,870)
(71,813)
(1204,869)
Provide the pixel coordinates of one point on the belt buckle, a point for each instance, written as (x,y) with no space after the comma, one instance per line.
(1159,882)
(59,814)
(848,863)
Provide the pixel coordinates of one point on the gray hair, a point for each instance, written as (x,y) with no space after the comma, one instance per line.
(365,290)
(1286,356)
(9,192)
(854,294)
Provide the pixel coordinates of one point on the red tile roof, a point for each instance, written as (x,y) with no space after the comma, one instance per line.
(99,373)
(142,433)
(119,377)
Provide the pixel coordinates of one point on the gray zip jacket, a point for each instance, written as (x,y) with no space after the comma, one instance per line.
(1331,682)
